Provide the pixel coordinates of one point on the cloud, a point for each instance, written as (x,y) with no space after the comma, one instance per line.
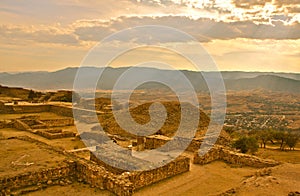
(53,32)
(92,33)
(295,10)
(281,3)
(247,4)
(49,35)
(202,29)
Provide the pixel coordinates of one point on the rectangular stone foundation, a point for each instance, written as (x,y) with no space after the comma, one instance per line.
(62,134)
(140,179)
(89,172)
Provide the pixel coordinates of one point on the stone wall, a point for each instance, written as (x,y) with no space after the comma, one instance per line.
(19,109)
(6,109)
(5,124)
(81,170)
(77,170)
(18,124)
(43,127)
(156,141)
(2,124)
(99,177)
(74,169)
(31,108)
(62,122)
(140,179)
(34,122)
(225,154)
(47,134)
(53,175)
(57,109)
(145,178)
(61,110)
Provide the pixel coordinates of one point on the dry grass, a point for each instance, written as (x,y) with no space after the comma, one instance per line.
(22,152)
(279,155)
(141,115)
(75,189)
(63,143)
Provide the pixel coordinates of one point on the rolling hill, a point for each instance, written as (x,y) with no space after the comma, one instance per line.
(235,80)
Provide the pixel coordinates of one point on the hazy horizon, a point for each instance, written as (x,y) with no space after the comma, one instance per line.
(63,68)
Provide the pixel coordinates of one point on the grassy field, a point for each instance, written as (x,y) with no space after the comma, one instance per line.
(63,143)
(288,156)
(20,156)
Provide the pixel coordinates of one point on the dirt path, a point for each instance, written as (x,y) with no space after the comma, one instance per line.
(210,179)
(283,179)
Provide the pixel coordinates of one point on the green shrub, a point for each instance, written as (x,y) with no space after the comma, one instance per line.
(246,144)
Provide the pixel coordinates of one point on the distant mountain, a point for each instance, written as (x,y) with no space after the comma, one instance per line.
(234,80)
(4,74)
(240,75)
(267,82)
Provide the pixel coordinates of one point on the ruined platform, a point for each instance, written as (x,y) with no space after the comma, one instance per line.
(224,154)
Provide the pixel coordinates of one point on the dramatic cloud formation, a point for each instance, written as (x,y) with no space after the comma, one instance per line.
(265,32)
(203,29)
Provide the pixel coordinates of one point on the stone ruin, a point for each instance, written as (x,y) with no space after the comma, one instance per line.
(76,169)
(48,128)
(143,176)
(122,161)
(99,174)
(96,172)
(156,141)
(225,154)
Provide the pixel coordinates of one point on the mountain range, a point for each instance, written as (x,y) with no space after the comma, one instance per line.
(234,80)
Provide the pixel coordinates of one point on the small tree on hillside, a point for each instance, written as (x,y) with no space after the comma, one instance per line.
(263,136)
(281,137)
(246,144)
(291,140)
(31,95)
(286,138)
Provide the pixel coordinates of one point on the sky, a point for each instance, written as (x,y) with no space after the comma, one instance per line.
(243,35)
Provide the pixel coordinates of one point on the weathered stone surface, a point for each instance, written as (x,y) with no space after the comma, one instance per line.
(18,124)
(156,141)
(225,154)
(141,177)
(43,128)
(61,122)
(62,134)
(145,178)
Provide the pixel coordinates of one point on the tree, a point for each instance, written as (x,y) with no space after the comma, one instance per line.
(263,136)
(280,136)
(246,144)
(31,95)
(286,138)
(291,140)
